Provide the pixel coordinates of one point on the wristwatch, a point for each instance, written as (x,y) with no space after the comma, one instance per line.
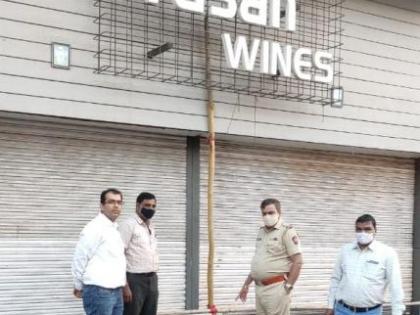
(288,287)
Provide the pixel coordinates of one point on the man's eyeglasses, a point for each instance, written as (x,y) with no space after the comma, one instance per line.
(114,202)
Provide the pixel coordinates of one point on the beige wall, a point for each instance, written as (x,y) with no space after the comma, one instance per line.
(381,78)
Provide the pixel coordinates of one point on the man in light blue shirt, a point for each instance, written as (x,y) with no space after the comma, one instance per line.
(364,270)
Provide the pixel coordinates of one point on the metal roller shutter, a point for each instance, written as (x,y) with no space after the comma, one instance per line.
(322,193)
(51,178)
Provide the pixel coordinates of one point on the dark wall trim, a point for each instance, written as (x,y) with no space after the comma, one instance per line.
(416,239)
(193,224)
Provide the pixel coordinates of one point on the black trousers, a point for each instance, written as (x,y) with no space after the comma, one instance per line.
(144,287)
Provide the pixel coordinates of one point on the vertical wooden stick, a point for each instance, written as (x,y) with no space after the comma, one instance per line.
(211,170)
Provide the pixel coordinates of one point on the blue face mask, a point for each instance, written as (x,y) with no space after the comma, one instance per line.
(148,213)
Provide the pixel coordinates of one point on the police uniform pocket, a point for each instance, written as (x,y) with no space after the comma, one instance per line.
(274,247)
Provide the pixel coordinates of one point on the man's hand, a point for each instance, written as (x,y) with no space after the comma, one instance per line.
(329,311)
(243,293)
(77,293)
(127,295)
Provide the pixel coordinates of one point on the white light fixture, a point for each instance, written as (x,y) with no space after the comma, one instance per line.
(60,56)
(337,95)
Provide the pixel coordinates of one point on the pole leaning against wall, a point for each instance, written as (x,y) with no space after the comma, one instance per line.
(416,241)
(211,137)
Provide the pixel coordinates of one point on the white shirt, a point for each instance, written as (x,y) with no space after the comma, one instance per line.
(99,256)
(140,245)
(360,278)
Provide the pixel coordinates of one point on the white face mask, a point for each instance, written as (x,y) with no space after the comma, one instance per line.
(364,238)
(270,220)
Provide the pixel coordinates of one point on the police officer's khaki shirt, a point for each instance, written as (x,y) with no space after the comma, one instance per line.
(273,250)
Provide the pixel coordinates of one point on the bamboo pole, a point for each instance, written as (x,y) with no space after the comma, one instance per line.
(211,137)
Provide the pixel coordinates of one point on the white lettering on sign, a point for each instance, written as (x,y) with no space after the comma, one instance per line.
(276,59)
(250,11)
(274,18)
(301,63)
(256,16)
(191,5)
(227,12)
(265,57)
(240,52)
(326,68)
(281,60)
(291,16)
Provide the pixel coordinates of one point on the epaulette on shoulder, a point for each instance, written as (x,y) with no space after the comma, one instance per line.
(288,226)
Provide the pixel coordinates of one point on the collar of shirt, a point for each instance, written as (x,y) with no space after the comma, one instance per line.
(372,246)
(279,223)
(276,226)
(141,222)
(104,219)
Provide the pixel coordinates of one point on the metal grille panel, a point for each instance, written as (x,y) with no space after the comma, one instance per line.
(129,30)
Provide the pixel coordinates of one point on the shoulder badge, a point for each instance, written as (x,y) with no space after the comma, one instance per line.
(295,240)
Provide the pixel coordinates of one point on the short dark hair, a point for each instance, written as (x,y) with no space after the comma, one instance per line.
(366,218)
(271,201)
(145,196)
(110,190)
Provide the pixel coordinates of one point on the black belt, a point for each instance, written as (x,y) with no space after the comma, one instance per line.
(359,309)
(143,274)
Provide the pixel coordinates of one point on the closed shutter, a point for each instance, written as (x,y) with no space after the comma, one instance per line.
(51,179)
(322,193)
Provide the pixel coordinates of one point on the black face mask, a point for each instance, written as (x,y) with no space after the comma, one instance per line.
(148,213)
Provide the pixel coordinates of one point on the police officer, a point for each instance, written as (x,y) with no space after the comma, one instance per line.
(276,264)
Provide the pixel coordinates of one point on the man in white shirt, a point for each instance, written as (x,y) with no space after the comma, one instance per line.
(364,270)
(138,234)
(99,263)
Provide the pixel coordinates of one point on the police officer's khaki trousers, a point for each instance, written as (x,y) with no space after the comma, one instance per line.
(272,300)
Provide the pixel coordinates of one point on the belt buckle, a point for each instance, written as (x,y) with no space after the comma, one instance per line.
(359,309)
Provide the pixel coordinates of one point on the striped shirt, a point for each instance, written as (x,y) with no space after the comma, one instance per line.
(140,245)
